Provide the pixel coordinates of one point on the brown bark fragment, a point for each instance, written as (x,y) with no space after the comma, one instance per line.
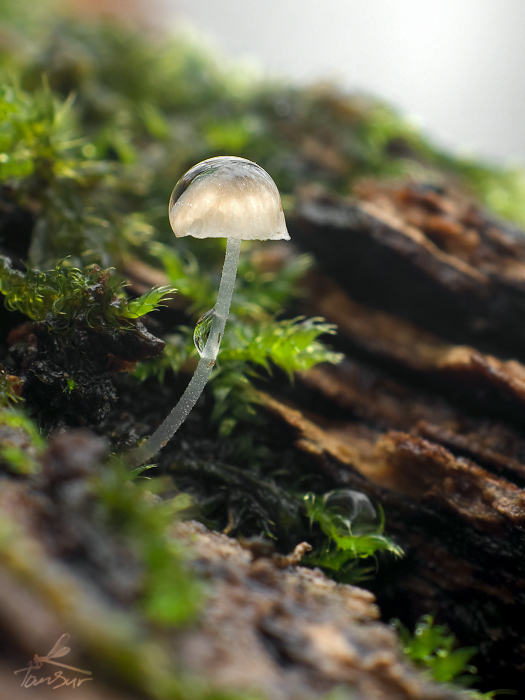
(374,397)
(459,367)
(461,527)
(430,256)
(412,467)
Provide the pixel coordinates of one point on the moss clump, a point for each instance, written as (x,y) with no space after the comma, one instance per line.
(21,443)
(434,648)
(353,531)
(85,331)
(126,506)
(64,296)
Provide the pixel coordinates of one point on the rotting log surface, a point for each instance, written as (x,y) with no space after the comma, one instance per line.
(425,413)
(263,623)
(266,624)
(427,410)
(432,258)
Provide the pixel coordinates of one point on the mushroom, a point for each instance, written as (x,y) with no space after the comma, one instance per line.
(226,197)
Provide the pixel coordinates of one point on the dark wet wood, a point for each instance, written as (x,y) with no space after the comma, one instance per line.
(431,257)
(426,413)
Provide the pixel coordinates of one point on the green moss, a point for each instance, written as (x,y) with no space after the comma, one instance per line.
(21,444)
(434,648)
(10,388)
(501,189)
(290,345)
(353,531)
(35,134)
(65,294)
(128,508)
(254,339)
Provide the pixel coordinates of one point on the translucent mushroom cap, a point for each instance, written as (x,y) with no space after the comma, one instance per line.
(227,197)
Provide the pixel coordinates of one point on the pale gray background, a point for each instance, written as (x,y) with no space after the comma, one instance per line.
(455,66)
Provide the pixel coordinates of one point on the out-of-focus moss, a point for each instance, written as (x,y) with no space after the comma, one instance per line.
(10,388)
(21,443)
(171,595)
(120,647)
(434,648)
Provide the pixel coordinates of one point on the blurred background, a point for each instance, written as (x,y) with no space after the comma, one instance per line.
(456,67)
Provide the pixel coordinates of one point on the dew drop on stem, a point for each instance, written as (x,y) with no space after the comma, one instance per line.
(202,330)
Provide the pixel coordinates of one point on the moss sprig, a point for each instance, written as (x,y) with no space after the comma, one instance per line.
(353,530)
(66,293)
(127,506)
(435,649)
(21,443)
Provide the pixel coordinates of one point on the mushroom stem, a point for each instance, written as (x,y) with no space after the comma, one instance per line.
(149,448)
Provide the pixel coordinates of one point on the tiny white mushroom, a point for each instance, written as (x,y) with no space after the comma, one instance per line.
(223,197)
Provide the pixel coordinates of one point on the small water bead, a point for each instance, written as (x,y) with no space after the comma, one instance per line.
(201,169)
(202,330)
(353,510)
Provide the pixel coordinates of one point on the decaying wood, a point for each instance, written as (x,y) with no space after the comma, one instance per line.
(428,407)
(266,623)
(263,623)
